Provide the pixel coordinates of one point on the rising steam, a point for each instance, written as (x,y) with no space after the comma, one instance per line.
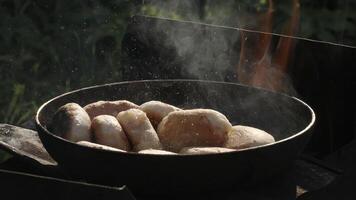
(253,58)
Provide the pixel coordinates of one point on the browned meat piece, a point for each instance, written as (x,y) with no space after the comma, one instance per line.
(108,108)
(157,110)
(139,130)
(72,123)
(108,131)
(244,136)
(197,128)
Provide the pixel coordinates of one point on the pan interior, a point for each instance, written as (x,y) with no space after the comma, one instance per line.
(280,115)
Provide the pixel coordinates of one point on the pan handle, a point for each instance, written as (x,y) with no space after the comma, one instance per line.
(24,144)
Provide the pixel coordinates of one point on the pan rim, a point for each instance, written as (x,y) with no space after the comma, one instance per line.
(46,131)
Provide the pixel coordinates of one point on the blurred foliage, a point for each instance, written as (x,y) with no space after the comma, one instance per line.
(49,47)
(4,156)
(334,22)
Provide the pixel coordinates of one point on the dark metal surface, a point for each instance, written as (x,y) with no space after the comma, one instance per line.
(284,187)
(17,185)
(287,119)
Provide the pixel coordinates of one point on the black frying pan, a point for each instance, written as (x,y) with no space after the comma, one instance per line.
(287,118)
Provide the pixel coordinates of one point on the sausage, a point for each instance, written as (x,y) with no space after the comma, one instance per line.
(108,107)
(98,146)
(204,150)
(157,110)
(108,131)
(244,136)
(139,130)
(156,152)
(72,123)
(197,127)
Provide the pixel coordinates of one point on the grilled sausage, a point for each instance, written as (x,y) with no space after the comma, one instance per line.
(108,107)
(108,131)
(139,130)
(197,127)
(157,110)
(244,136)
(204,150)
(71,122)
(156,152)
(98,146)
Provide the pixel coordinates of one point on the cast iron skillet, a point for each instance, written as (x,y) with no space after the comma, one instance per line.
(287,118)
